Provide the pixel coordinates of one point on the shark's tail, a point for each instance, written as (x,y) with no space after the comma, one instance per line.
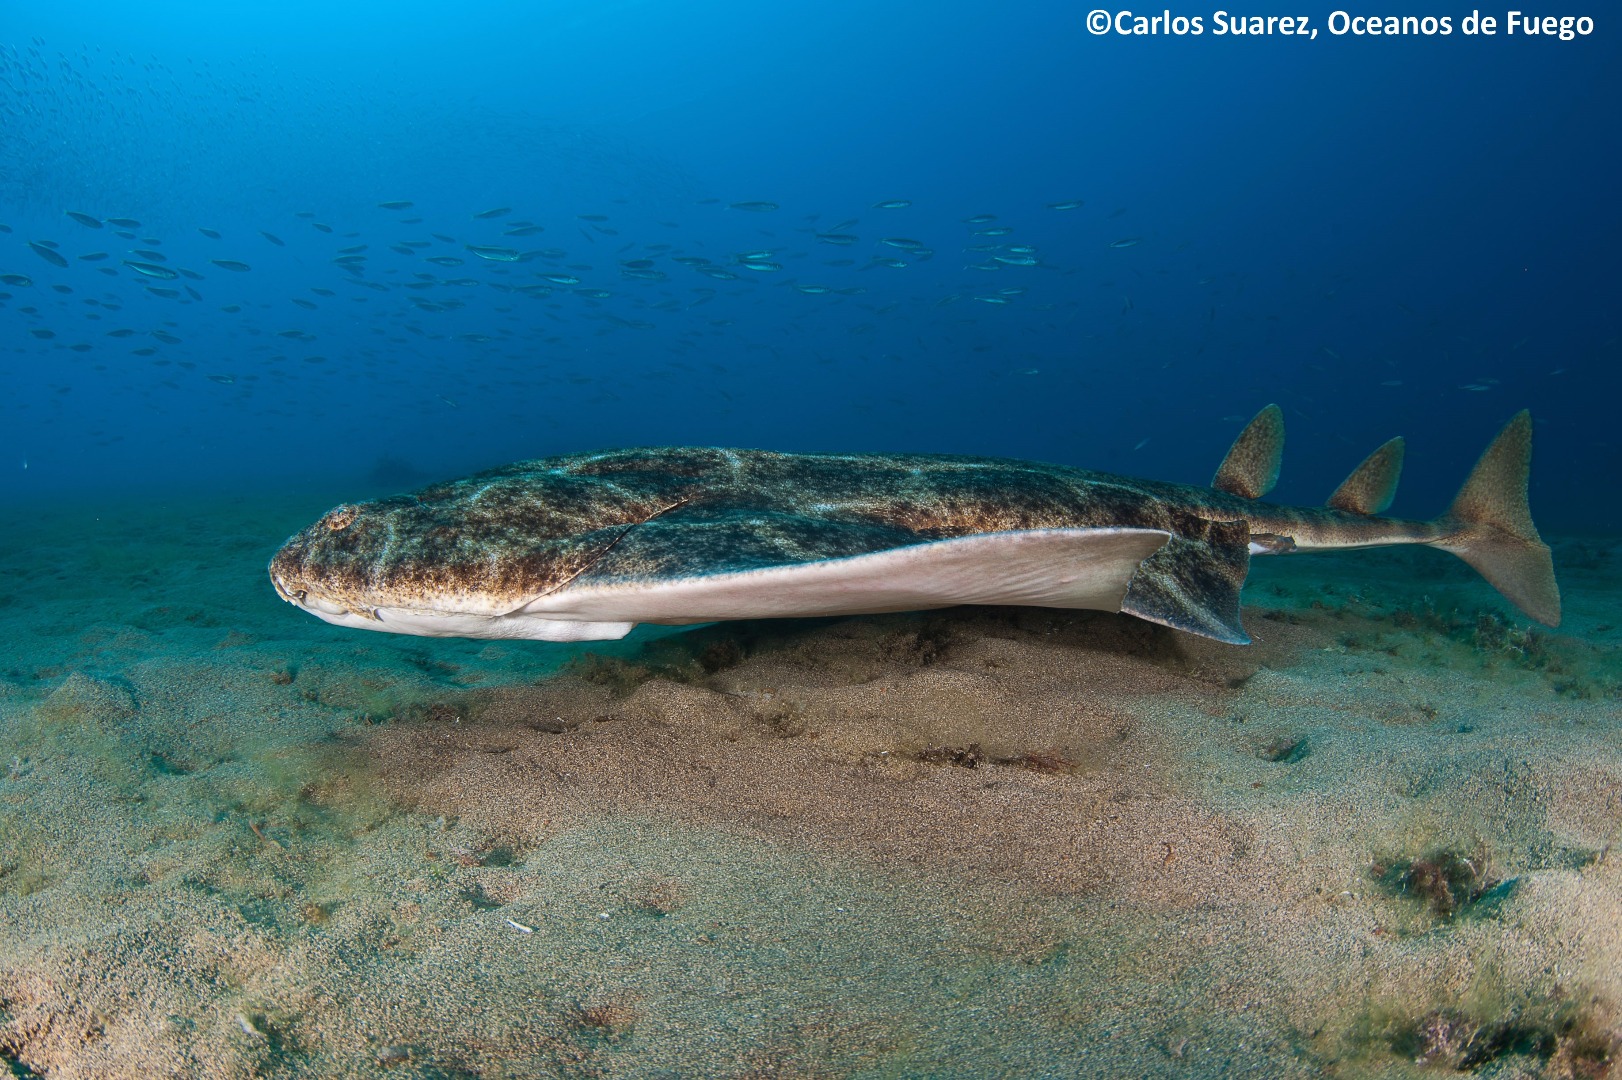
(1490,525)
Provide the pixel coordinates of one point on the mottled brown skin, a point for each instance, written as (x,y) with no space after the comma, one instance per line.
(499,539)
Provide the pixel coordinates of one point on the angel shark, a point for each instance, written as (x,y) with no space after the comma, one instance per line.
(584,547)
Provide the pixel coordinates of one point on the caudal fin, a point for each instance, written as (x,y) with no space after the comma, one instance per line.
(1492,530)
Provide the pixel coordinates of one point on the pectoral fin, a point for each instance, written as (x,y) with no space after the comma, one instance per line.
(1192,584)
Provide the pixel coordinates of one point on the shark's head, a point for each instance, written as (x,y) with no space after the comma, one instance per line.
(350,567)
(460,559)
(403,565)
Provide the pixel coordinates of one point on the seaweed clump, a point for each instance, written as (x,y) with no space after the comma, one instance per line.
(1447,882)
(964,757)
(1565,1040)
(1571,668)
(1497,635)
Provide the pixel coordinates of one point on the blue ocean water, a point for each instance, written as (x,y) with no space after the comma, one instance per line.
(260,258)
(989,231)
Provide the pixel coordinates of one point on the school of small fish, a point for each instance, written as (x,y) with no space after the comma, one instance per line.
(530,281)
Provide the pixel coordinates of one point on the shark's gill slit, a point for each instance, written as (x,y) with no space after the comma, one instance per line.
(595,559)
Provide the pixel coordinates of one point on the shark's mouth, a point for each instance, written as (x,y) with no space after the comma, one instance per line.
(318,604)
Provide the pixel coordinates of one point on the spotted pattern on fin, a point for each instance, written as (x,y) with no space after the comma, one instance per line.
(1193,582)
(1373,484)
(1251,467)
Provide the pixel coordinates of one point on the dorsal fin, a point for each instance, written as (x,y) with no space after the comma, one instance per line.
(1372,484)
(1251,467)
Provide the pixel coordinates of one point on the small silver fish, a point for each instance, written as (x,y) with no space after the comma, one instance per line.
(495,254)
(45,252)
(151,270)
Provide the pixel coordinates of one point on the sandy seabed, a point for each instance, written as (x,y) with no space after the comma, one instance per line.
(237,842)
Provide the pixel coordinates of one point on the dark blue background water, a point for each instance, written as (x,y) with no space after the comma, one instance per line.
(1390,235)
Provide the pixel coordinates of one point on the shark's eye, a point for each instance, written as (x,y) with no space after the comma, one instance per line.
(340,517)
(299,595)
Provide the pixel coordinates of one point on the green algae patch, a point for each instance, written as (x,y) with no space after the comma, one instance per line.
(1563,1035)
(1445,883)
